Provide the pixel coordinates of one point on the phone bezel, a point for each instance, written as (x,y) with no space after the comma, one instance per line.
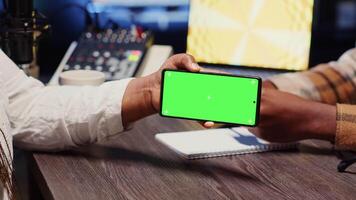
(258,101)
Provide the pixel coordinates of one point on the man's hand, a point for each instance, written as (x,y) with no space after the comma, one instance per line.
(285,118)
(142,96)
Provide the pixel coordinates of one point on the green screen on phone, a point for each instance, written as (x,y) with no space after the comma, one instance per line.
(210,97)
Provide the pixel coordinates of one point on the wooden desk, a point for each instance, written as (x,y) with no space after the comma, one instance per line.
(135,166)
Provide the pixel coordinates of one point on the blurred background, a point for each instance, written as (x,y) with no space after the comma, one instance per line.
(334,28)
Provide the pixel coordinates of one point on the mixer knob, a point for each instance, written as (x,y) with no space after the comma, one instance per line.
(88,35)
(107,54)
(99,61)
(96,54)
(112,69)
(99,68)
(76,67)
(66,67)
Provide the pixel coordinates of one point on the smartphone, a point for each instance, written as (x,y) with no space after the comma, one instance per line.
(220,98)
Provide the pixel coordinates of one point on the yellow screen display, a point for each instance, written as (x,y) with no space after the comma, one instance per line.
(257,33)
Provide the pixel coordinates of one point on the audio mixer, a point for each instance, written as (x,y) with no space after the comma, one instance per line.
(116,53)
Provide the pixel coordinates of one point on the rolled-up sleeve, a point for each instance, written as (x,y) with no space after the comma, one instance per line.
(59,117)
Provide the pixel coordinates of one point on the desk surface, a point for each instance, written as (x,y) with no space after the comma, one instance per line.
(135,166)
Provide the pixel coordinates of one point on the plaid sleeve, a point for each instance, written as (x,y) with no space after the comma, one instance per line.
(330,83)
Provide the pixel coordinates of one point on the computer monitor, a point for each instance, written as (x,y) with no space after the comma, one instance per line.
(272,34)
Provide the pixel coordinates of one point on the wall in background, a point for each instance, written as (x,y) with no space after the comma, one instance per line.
(334,29)
(67,18)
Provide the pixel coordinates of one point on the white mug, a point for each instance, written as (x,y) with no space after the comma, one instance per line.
(81,78)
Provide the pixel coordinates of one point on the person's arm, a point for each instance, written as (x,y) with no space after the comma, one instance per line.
(330,83)
(56,118)
(60,117)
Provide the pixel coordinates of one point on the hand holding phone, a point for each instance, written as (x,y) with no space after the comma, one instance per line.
(211,97)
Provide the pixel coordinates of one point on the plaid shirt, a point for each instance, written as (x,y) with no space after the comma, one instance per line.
(332,83)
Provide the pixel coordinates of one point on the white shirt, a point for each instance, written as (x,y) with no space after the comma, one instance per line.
(54,118)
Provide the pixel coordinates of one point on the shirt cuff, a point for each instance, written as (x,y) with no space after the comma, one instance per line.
(345,138)
(113,118)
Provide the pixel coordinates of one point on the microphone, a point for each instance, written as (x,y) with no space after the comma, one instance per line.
(20,30)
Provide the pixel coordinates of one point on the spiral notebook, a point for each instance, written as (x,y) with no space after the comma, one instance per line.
(218,142)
